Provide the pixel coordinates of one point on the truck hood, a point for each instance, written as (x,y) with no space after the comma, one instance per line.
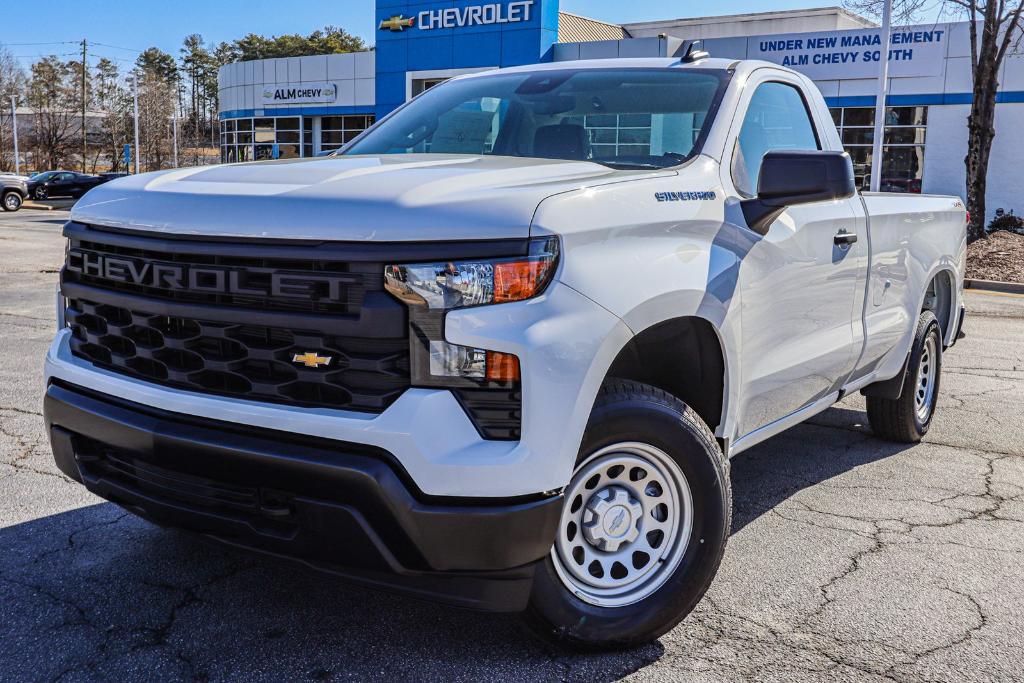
(362,198)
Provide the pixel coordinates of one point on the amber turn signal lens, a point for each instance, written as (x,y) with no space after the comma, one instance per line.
(518,280)
(502,367)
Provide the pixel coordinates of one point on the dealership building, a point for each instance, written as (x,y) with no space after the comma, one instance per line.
(300,106)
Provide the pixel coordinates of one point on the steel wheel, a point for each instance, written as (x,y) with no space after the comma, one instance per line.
(626,524)
(924,390)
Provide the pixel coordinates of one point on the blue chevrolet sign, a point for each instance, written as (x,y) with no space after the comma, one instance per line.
(443,39)
(492,14)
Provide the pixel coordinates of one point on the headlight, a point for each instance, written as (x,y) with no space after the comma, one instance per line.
(473,283)
(432,289)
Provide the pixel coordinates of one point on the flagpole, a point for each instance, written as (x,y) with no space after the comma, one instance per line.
(880,96)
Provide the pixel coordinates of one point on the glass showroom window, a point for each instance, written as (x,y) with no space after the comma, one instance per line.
(902,147)
(307,136)
(335,131)
(236,140)
(249,139)
(614,135)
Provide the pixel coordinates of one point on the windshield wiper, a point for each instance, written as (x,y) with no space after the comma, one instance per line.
(639,165)
(670,159)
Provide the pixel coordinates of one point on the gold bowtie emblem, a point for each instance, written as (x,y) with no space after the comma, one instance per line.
(311,359)
(397,23)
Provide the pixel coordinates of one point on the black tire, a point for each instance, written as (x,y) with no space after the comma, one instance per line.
(627,411)
(898,419)
(11,201)
(40,192)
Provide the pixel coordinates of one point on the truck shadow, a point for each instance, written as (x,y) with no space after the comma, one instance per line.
(830,444)
(102,594)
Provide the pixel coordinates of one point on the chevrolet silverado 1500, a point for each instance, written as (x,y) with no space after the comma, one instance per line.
(499,351)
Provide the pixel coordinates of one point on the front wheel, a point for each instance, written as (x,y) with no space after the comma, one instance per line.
(12,201)
(907,418)
(646,518)
(41,192)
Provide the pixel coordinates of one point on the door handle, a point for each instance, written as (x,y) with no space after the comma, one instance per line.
(844,239)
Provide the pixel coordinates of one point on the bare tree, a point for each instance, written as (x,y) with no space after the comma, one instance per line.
(51,97)
(199,69)
(113,98)
(1000,25)
(994,27)
(12,83)
(157,99)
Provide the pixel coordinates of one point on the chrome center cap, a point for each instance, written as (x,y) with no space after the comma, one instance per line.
(611,519)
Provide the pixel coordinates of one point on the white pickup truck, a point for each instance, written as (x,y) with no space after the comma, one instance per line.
(500,350)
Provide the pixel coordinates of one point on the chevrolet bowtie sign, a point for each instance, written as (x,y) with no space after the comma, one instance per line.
(460,17)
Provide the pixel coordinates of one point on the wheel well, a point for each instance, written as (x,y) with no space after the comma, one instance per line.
(681,356)
(938,300)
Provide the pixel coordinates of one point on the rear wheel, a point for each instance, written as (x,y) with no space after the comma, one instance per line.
(907,418)
(645,523)
(11,201)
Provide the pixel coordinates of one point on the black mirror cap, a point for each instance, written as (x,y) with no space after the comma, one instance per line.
(794,177)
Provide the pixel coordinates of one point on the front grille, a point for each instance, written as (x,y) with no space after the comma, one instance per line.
(237,319)
(246,361)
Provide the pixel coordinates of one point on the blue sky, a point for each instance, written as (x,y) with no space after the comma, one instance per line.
(138,24)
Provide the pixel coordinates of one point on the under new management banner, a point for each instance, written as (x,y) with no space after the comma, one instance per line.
(913,51)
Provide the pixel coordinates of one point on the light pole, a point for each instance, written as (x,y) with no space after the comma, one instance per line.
(135,113)
(174,130)
(85,143)
(14,124)
(883,89)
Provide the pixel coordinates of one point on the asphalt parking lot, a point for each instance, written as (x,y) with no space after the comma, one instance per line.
(850,558)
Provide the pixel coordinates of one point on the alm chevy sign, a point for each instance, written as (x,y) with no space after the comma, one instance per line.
(304,93)
(460,17)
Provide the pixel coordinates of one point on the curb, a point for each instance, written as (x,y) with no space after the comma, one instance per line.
(59,206)
(993,286)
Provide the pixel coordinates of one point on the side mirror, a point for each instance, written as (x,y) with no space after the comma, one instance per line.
(793,177)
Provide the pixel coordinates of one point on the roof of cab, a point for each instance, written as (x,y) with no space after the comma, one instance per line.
(741,66)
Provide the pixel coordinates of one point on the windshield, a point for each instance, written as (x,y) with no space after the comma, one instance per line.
(624,118)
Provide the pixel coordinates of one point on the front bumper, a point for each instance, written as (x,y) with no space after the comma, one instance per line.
(341,507)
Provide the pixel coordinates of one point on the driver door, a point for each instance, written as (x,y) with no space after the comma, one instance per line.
(61,185)
(798,286)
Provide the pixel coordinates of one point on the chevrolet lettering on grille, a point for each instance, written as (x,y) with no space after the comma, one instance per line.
(205,279)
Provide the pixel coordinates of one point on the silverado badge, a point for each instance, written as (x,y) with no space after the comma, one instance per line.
(311,359)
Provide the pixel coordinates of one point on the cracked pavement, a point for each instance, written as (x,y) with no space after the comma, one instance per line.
(851,559)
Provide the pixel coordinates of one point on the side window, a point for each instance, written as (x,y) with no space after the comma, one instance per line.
(777,118)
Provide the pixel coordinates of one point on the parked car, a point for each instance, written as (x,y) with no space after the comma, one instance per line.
(13,191)
(62,184)
(481,357)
